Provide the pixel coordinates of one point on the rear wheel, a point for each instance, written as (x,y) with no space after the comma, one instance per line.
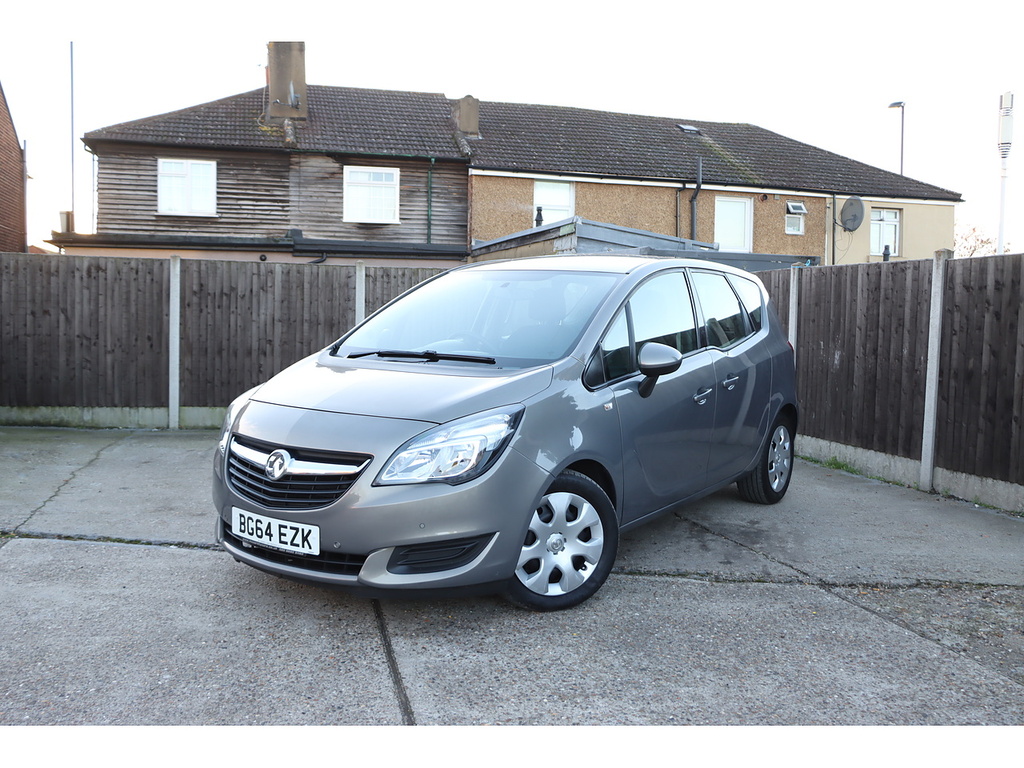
(769,480)
(569,547)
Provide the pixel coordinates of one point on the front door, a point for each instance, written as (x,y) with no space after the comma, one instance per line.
(666,436)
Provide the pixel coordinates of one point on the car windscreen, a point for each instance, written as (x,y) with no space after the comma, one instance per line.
(511,318)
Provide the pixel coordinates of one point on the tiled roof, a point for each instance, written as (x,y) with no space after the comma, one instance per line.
(528,138)
(342,120)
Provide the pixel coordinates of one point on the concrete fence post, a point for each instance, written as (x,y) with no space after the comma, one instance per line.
(174,345)
(360,291)
(931,382)
(794,304)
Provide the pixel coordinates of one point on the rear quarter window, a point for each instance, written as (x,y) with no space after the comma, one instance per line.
(750,295)
(724,317)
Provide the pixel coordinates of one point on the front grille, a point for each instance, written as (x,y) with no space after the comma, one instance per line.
(337,563)
(315,479)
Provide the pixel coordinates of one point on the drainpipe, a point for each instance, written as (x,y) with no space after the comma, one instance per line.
(833,229)
(693,199)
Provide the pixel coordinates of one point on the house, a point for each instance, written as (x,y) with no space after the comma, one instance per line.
(743,187)
(326,173)
(284,172)
(13,230)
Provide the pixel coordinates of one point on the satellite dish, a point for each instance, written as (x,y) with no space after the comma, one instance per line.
(852,215)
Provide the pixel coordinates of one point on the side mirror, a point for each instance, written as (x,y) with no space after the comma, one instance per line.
(656,360)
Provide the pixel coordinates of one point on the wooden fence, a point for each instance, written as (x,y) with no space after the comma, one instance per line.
(862,341)
(92,332)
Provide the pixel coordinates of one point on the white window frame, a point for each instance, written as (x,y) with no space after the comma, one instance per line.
(886,224)
(794,224)
(727,209)
(795,212)
(197,191)
(557,200)
(358,209)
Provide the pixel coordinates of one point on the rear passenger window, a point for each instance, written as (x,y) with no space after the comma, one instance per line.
(750,295)
(723,315)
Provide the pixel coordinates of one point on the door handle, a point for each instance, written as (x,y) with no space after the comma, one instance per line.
(702,397)
(730,383)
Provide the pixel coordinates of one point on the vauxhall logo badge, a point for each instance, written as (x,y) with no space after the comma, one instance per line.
(277,464)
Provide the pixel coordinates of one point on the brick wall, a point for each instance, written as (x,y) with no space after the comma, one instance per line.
(12,184)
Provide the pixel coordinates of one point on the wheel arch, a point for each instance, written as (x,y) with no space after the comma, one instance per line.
(600,475)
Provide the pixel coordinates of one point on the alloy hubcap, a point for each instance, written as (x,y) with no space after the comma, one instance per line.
(563,545)
(780,458)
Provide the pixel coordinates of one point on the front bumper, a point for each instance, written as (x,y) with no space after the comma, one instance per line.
(428,536)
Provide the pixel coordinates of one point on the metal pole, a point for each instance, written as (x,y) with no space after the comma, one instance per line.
(1005,138)
(903,116)
(901,105)
(72,78)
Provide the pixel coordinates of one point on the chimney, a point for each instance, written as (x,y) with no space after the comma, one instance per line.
(467,115)
(287,81)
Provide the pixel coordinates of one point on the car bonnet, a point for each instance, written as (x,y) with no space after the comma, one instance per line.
(416,391)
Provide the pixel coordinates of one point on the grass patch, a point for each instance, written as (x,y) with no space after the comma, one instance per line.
(842,466)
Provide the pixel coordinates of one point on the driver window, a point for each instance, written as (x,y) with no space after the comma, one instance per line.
(662,312)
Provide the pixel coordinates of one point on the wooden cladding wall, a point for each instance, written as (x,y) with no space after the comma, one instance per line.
(83,332)
(267,194)
(433,201)
(252,195)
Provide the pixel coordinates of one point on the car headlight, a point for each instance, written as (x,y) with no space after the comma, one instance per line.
(455,452)
(229,419)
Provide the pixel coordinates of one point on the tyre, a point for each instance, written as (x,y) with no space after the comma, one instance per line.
(569,547)
(769,480)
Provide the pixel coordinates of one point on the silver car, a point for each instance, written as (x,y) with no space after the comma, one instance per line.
(497,427)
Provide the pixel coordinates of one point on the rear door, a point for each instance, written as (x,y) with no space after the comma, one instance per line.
(743,370)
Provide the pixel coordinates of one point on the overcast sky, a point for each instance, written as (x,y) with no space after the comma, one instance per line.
(820,73)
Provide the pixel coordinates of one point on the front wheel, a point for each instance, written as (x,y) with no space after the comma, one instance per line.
(769,480)
(569,547)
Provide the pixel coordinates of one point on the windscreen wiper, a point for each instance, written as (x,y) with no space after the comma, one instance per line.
(428,355)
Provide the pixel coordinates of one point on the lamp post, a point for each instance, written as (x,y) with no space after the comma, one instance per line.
(901,106)
(1005,137)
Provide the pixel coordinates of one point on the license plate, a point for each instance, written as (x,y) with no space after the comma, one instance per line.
(276,534)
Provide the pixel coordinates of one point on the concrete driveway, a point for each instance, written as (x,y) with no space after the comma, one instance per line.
(851,602)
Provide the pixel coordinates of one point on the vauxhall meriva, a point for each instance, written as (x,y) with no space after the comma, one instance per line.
(498,426)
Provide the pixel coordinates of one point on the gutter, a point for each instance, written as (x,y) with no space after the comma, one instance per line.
(293,243)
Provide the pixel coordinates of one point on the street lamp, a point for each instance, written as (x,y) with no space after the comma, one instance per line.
(1005,139)
(901,106)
